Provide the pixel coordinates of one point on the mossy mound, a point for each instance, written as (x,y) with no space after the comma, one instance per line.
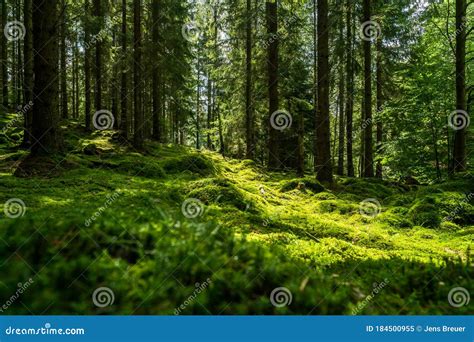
(194,163)
(426,213)
(302,184)
(218,191)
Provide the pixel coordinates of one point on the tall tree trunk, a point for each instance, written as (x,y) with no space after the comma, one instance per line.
(98,58)
(138,138)
(249,110)
(368,162)
(459,152)
(315,74)
(155,77)
(87,67)
(350,90)
(4,56)
(28,72)
(198,101)
(63,26)
(113,86)
(379,81)
(274,161)
(209,112)
(323,134)
(124,116)
(341,142)
(46,131)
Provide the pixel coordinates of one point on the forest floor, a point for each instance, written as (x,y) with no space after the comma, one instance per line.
(175,230)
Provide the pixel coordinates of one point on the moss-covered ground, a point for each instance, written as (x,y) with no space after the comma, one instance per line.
(151,226)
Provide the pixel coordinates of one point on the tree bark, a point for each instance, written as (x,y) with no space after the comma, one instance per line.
(87,68)
(350,90)
(274,161)
(368,162)
(156,96)
(98,58)
(124,116)
(138,138)
(323,163)
(459,152)
(46,131)
(28,72)
(4,57)
(378,172)
(341,142)
(64,94)
(249,110)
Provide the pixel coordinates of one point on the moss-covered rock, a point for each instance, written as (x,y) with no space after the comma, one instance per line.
(302,184)
(194,163)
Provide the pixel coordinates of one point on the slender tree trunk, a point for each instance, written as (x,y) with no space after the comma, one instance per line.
(46,131)
(114,86)
(368,162)
(379,142)
(87,68)
(249,110)
(28,71)
(4,56)
(323,133)
(155,77)
(274,161)
(64,98)
(209,112)
(98,58)
(350,90)
(124,116)
(138,138)
(341,142)
(198,101)
(459,152)
(315,75)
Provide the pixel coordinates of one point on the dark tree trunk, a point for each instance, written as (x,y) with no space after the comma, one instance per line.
(124,116)
(379,81)
(138,138)
(323,163)
(459,152)
(87,68)
(4,56)
(64,99)
(368,159)
(249,110)
(28,72)
(209,112)
(350,90)
(46,131)
(156,77)
(274,161)
(341,142)
(98,58)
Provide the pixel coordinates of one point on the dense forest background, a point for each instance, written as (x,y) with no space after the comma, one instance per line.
(244,153)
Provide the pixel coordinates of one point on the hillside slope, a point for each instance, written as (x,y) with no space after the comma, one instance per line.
(180,231)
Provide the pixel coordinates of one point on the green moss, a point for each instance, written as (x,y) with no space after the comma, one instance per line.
(193,163)
(302,184)
(425,213)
